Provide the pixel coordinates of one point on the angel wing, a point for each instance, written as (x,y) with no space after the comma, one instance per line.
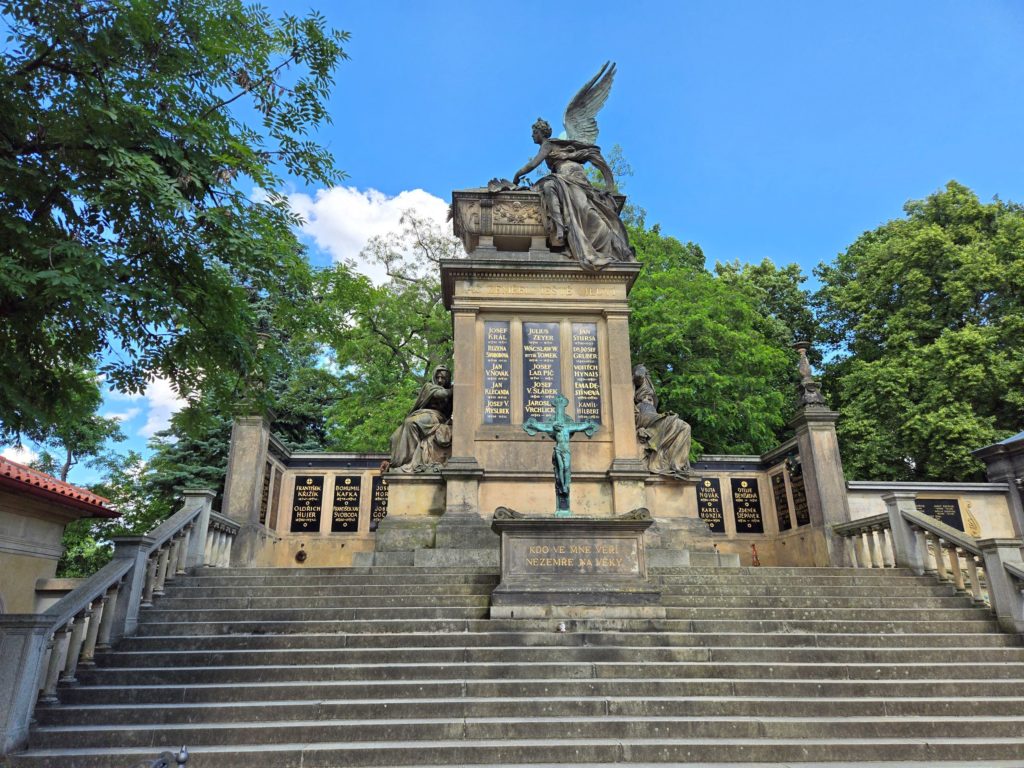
(580,124)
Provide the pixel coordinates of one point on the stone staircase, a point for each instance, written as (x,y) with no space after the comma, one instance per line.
(389,666)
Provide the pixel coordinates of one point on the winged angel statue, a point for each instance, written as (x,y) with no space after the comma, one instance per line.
(576,213)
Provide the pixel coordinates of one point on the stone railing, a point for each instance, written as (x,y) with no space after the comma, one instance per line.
(38,652)
(990,570)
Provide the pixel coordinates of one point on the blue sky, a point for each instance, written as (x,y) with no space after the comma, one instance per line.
(756,129)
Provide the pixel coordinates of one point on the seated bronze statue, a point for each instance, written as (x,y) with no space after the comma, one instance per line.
(664,437)
(423,442)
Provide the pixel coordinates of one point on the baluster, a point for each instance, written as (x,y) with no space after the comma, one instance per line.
(954,565)
(183,550)
(82,619)
(224,557)
(161,569)
(851,548)
(173,547)
(44,669)
(876,556)
(888,555)
(61,638)
(211,536)
(87,657)
(972,574)
(940,563)
(147,589)
(931,549)
(107,624)
(921,542)
(862,549)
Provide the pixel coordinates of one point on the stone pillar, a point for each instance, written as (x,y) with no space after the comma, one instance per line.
(1004,590)
(462,472)
(823,477)
(247,459)
(23,641)
(904,538)
(1004,463)
(203,499)
(627,472)
(126,612)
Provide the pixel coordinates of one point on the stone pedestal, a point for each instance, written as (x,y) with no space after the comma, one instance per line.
(573,567)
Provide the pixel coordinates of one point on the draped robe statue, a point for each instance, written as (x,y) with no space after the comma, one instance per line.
(423,442)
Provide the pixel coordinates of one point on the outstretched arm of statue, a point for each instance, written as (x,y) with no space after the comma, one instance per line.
(537,160)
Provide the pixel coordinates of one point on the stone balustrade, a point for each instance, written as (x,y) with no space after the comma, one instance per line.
(990,570)
(40,652)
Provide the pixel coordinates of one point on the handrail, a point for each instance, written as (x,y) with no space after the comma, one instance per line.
(1014,570)
(861,524)
(947,532)
(86,592)
(43,650)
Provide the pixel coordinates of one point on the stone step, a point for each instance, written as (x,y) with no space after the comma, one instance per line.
(515,654)
(766,690)
(475,610)
(372,673)
(757,602)
(191,605)
(914,589)
(656,749)
(549,639)
(826,613)
(823,626)
(486,588)
(534,727)
(506,707)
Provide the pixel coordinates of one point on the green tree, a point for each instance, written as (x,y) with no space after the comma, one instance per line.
(926,313)
(385,340)
(708,347)
(129,237)
(780,298)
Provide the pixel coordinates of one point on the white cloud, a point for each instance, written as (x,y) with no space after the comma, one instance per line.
(127,415)
(21,454)
(341,220)
(163,402)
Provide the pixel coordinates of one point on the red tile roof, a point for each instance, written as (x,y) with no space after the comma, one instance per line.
(18,477)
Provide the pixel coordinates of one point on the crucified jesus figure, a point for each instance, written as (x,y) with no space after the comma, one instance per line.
(560,429)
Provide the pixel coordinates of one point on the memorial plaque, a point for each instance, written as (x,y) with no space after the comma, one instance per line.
(594,556)
(746,505)
(378,501)
(265,492)
(345,510)
(781,501)
(307,501)
(709,504)
(542,372)
(497,373)
(800,509)
(944,510)
(586,377)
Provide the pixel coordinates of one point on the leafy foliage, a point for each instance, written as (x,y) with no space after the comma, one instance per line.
(386,340)
(927,315)
(125,232)
(714,358)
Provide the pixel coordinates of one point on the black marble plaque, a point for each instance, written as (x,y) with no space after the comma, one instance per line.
(497,373)
(586,377)
(275,499)
(709,504)
(307,501)
(345,510)
(542,372)
(944,510)
(800,509)
(781,501)
(378,501)
(746,505)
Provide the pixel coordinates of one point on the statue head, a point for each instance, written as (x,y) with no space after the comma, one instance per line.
(541,130)
(442,376)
